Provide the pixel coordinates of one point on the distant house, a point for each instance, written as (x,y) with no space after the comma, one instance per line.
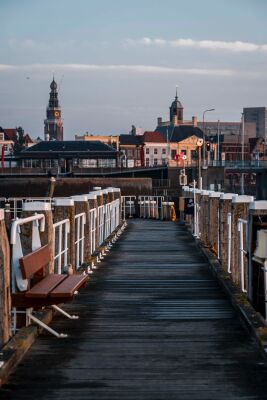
(131,150)
(65,156)
(111,140)
(7,139)
(155,149)
(258,148)
(181,140)
(5,142)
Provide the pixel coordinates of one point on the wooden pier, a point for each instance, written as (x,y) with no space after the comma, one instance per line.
(154,324)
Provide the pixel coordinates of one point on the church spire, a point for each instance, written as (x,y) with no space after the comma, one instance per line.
(176,109)
(53,129)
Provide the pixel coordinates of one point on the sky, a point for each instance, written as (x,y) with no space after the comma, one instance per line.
(118,62)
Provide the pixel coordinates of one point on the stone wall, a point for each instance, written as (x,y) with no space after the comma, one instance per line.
(64,187)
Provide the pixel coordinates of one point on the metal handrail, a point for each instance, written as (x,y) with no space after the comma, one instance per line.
(22,221)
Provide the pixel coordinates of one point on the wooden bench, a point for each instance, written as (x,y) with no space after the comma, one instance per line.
(45,290)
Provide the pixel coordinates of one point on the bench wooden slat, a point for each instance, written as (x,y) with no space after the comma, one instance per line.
(69,286)
(35,261)
(45,286)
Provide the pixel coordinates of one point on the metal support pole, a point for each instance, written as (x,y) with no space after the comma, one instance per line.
(218,141)
(229,222)
(242,153)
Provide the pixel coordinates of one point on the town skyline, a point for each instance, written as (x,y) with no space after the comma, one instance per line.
(118,76)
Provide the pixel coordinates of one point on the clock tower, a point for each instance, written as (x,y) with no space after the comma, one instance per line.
(53,124)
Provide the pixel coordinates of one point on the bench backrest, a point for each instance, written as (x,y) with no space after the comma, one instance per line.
(35,261)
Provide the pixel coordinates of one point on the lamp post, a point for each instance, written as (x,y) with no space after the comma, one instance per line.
(199,144)
(204,131)
(168,149)
(218,141)
(242,151)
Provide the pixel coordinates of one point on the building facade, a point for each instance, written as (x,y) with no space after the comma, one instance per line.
(53,124)
(131,151)
(68,156)
(155,149)
(258,115)
(111,140)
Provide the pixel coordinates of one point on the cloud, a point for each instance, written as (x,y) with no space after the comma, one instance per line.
(236,46)
(132,68)
(26,43)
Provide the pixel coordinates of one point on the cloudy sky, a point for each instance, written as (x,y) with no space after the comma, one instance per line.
(118,62)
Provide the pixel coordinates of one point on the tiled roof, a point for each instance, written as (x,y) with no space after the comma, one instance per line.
(154,137)
(27,138)
(130,139)
(179,133)
(10,134)
(78,146)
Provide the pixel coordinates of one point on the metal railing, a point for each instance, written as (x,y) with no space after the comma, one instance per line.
(80,220)
(60,248)
(15,204)
(116,213)
(108,208)
(150,206)
(239,164)
(128,206)
(92,230)
(240,227)
(17,280)
(101,224)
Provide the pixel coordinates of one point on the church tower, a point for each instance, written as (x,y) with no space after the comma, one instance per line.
(53,124)
(176,111)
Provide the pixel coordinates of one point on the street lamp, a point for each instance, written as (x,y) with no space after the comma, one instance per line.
(204,131)
(199,144)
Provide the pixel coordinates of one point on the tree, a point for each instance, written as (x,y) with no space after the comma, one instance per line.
(19,141)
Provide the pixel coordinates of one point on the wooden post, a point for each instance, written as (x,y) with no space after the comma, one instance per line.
(203,216)
(214,221)
(5,300)
(225,207)
(240,209)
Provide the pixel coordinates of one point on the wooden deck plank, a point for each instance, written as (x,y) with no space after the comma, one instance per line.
(153,325)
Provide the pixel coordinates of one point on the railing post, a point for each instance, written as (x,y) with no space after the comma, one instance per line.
(117,195)
(225,208)
(257,220)
(240,206)
(5,300)
(82,206)
(92,200)
(64,209)
(100,202)
(213,218)
(203,215)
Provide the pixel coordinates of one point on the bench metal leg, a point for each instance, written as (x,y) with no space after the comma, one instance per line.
(93,266)
(44,326)
(64,312)
(89,269)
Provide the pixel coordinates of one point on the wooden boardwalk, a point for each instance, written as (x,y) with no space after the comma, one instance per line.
(154,324)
